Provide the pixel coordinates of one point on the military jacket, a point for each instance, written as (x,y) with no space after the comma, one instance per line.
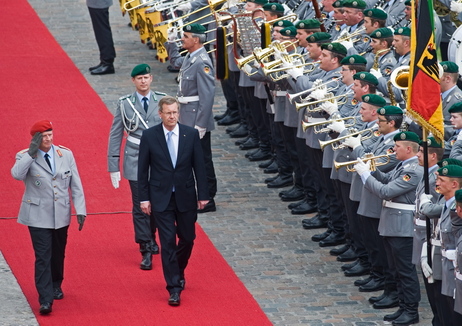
(448,242)
(383,86)
(454,96)
(458,296)
(387,62)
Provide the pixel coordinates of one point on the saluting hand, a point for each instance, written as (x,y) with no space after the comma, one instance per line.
(35,144)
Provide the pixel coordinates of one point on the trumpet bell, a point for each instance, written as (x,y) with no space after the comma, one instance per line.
(400,77)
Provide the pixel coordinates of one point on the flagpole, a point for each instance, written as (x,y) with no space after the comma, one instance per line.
(427,191)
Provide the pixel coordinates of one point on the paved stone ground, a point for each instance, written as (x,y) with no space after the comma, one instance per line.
(292,278)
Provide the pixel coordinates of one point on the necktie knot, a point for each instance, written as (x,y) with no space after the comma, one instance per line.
(145,105)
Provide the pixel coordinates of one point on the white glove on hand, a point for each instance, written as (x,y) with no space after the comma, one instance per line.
(185,7)
(172,34)
(377,74)
(426,269)
(424,199)
(295,72)
(408,120)
(317,82)
(277,54)
(247,69)
(459,136)
(352,142)
(456,6)
(451,255)
(319,93)
(337,126)
(115,178)
(201,131)
(347,44)
(362,168)
(329,107)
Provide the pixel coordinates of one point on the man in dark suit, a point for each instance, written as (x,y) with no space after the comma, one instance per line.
(170,168)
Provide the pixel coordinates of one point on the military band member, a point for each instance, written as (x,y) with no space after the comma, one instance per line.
(450,94)
(304,29)
(458,257)
(397,189)
(373,19)
(273,11)
(339,19)
(135,112)
(354,19)
(381,60)
(453,146)
(394,10)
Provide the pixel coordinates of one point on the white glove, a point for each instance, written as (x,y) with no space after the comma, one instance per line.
(185,7)
(319,93)
(459,136)
(377,74)
(424,199)
(408,120)
(247,68)
(451,255)
(352,142)
(115,178)
(172,34)
(329,107)
(277,54)
(317,82)
(201,131)
(347,44)
(426,269)
(362,168)
(337,126)
(456,6)
(295,72)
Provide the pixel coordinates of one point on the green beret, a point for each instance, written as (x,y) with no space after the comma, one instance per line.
(452,171)
(195,28)
(407,3)
(357,4)
(259,2)
(431,142)
(407,136)
(390,110)
(367,77)
(449,161)
(319,37)
(141,69)
(354,59)
(338,4)
(456,108)
(383,32)
(283,23)
(276,7)
(405,31)
(374,99)
(290,31)
(449,66)
(308,24)
(334,47)
(459,196)
(375,13)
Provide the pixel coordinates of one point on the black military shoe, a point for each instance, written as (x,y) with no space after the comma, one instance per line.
(241,141)
(240,132)
(229,120)
(349,255)
(251,143)
(375,299)
(96,67)
(306,208)
(408,317)
(234,128)
(264,165)
(339,251)
(260,155)
(105,69)
(350,265)
(253,151)
(271,179)
(45,308)
(358,270)
(293,205)
(174,299)
(321,236)
(273,168)
(388,301)
(373,286)
(334,239)
(281,181)
(393,316)
(362,281)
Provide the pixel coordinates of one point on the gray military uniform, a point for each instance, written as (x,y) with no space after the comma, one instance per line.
(453,97)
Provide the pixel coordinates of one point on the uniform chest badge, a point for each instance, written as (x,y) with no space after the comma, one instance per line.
(38,183)
(388,71)
(452,142)
(390,151)
(59,153)
(354,101)
(406,177)
(207,69)
(377,133)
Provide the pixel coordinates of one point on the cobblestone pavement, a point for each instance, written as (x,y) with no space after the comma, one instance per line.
(292,278)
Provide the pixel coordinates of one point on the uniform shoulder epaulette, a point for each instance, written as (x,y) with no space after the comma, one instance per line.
(458,95)
(24,151)
(124,97)
(160,93)
(413,166)
(64,147)
(204,56)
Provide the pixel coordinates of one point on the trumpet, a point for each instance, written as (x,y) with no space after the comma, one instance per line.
(367,157)
(314,125)
(292,96)
(352,37)
(353,132)
(261,54)
(329,97)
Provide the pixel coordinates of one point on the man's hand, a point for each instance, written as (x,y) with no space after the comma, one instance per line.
(295,72)
(146,207)
(424,199)
(201,131)
(319,93)
(362,167)
(377,74)
(337,126)
(172,34)
(80,220)
(185,7)
(35,144)
(347,44)
(456,6)
(201,204)
(426,269)
(115,178)
(353,142)
(329,107)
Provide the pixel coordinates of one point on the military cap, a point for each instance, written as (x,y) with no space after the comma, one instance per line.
(195,28)
(41,126)
(334,47)
(259,2)
(375,13)
(374,99)
(338,4)
(408,3)
(407,136)
(290,31)
(276,7)
(383,32)
(357,4)
(283,23)
(451,170)
(319,37)
(456,108)
(449,161)
(141,69)
(459,196)
(405,31)
(308,24)
(354,59)
(367,77)
(449,66)
(431,142)
(390,110)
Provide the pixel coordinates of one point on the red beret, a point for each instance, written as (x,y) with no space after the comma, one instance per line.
(41,126)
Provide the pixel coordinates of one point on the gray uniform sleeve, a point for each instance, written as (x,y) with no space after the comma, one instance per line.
(206,92)
(115,139)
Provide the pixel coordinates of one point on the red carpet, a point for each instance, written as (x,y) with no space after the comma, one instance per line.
(103,283)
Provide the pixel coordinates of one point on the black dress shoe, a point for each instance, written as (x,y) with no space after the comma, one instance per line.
(45,308)
(234,128)
(321,236)
(253,151)
(393,316)
(241,141)
(388,301)
(264,165)
(96,67)
(146,261)
(251,143)
(260,155)
(349,255)
(229,120)
(294,194)
(174,299)
(373,286)
(305,208)
(210,207)
(58,293)
(104,69)
(350,265)
(340,250)
(273,168)
(362,281)
(220,116)
(240,132)
(358,270)
(281,181)
(293,205)
(271,179)
(407,318)
(316,222)
(334,239)
(375,299)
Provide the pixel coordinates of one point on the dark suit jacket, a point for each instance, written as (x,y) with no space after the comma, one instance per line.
(157,176)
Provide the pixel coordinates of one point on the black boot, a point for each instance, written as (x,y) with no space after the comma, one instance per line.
(146,254)
(395,315)
(154,247)
(409,316)
(390,300)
